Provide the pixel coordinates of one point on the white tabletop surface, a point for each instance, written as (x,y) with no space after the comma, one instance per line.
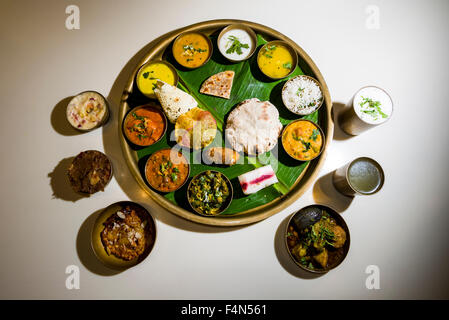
(403,229)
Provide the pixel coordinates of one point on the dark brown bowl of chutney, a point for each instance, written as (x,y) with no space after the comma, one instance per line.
(90,172)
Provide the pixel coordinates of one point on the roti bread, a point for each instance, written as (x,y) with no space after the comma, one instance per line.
(174,101)
(253,127)
(219,84)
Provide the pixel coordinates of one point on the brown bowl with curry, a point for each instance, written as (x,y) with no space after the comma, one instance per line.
(303,140)
(192,49)
(167,170)
(145,125)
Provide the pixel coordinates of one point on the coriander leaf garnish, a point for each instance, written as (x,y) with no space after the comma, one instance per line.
(190,50)
(373,108)
(138,117)
(306,145)
(236,45)
(269,51)
(188,47)
(141,136)
(146,74)
(380,111)
(295,137)
(287,65)
(315,134)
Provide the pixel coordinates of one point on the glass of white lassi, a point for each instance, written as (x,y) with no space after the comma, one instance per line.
(369,107)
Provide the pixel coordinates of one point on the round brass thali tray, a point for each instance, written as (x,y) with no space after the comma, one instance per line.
(303,182)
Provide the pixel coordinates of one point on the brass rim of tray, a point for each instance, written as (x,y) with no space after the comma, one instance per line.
(305,179)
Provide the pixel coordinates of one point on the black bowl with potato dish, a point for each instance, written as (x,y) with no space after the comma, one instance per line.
(317,238)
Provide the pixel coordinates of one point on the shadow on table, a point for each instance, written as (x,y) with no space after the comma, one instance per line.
(325,193)
(339,134)
(59,120)
(85,251)
(122,174)
(60,185)
(284,258)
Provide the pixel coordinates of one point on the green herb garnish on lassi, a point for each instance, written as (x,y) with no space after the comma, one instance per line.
(373,108)
(236,45)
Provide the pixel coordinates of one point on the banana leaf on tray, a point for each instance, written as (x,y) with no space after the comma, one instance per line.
(248,83)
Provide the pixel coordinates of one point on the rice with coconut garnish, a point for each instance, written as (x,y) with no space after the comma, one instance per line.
(302,95)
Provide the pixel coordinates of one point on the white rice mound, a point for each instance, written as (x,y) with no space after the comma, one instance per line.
(302,95)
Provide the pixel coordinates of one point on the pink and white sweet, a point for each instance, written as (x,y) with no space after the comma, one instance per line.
(257,179)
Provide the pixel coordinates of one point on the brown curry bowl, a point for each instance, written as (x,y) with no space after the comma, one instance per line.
(228,201)
(110,260)
(209,43)
(241,26)
(151,105)
(323,138)
(308,216)
(147,173)
(289,48)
